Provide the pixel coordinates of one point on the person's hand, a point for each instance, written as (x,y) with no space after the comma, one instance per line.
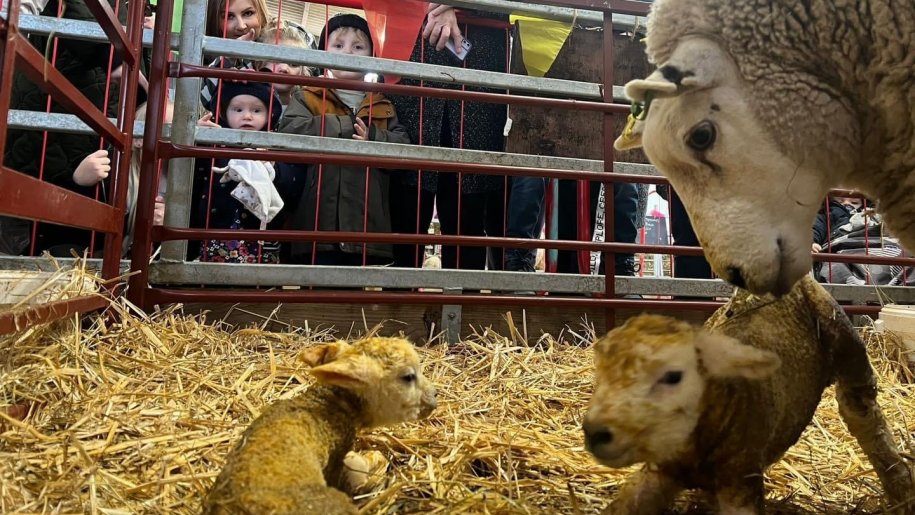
(247,36)
(362,130)
(816,248)
(93,169)
(207,121)
(442,25)
(159,211)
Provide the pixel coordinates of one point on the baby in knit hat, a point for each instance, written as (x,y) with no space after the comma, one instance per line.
(240,193)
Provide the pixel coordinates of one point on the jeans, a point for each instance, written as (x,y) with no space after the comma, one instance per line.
(525,219)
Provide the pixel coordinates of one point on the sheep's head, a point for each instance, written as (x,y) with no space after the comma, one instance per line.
(385,373)
(751,186)
(650,377)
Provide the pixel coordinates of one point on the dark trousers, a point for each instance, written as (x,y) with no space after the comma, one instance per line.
(481,214)
(625,223)
(525,219)
(411,213)
(695,267)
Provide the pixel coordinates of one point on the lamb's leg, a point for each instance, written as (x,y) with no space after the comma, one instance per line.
(861,413)
(742,496)
(645,492)
(363,472)
(856,392)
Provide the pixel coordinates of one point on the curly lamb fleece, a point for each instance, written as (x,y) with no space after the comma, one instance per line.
(832,78)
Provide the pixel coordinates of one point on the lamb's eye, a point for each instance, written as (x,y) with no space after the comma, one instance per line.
(408,378)
(702,136)
(671,377)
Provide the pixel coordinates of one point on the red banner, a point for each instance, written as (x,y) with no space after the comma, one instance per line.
(400,19)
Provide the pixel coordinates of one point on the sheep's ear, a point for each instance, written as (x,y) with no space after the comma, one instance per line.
(724,356)
(354,372)
(321,353)
(638,90)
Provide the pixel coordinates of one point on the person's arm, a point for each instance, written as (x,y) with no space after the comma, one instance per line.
(395,133)
(32,6)
(298,119)
(819,230)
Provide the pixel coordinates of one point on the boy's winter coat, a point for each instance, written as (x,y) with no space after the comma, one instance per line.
(341,189)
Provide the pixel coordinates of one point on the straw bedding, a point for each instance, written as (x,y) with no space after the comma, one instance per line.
(137,417)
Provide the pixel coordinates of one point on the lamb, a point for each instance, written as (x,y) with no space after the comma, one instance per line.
(712,408)
(759,107)
(292,456)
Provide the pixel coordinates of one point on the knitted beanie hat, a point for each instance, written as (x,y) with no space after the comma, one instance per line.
(344,20)
(259,90)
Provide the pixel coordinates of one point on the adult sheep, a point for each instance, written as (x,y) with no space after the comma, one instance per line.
(759,107)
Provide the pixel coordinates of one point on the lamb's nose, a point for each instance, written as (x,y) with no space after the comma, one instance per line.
(596,435)
(735,277)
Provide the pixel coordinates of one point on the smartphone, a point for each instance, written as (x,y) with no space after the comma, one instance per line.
(460,53)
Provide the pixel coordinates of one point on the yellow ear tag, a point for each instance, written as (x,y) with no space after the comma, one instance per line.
(637,111)
(627,131)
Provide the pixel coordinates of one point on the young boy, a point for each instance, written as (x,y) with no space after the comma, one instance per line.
(337,193)
(240,194)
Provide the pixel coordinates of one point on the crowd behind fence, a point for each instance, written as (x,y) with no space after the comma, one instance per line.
(359,169)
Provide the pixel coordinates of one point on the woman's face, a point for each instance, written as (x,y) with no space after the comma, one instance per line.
(241,20)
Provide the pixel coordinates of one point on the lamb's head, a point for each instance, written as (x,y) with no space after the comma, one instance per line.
(385,373)
(751,190)
(649,380)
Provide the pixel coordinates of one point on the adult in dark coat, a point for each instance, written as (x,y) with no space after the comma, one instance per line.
(86,65)
(454,124)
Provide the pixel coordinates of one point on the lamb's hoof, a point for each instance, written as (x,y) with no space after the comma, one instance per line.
(364,473)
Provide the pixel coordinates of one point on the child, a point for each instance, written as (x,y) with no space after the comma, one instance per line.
(96,167)
(254,199)
(243,20)
(288,35)
(342,203)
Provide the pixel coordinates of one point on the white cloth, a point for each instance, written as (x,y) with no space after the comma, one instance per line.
(255,188)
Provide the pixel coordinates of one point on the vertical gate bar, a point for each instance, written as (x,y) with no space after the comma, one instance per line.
(109,23)
(8,30)
(187,97)
(609,258)
(155,104)
(113,250)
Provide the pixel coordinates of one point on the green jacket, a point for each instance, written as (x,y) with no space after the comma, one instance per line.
(342,188)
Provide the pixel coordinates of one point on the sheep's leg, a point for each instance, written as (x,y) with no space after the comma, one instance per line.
(856,392)
(861,413)
(645,492)
(745,496)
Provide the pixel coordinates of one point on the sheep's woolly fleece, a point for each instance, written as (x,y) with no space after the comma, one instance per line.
(860,53)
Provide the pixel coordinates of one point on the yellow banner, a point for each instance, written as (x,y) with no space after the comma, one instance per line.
(541,41)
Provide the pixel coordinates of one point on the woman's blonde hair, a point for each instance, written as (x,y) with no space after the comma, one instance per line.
(216,12)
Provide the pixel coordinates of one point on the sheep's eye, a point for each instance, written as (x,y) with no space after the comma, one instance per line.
(409,378)
(672,377)
(702,136)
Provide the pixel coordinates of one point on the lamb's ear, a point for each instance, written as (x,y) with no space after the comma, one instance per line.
(724,356)
(321,353)
(354,372)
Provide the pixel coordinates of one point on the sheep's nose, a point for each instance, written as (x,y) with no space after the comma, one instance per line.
(735,277)
(596,435)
